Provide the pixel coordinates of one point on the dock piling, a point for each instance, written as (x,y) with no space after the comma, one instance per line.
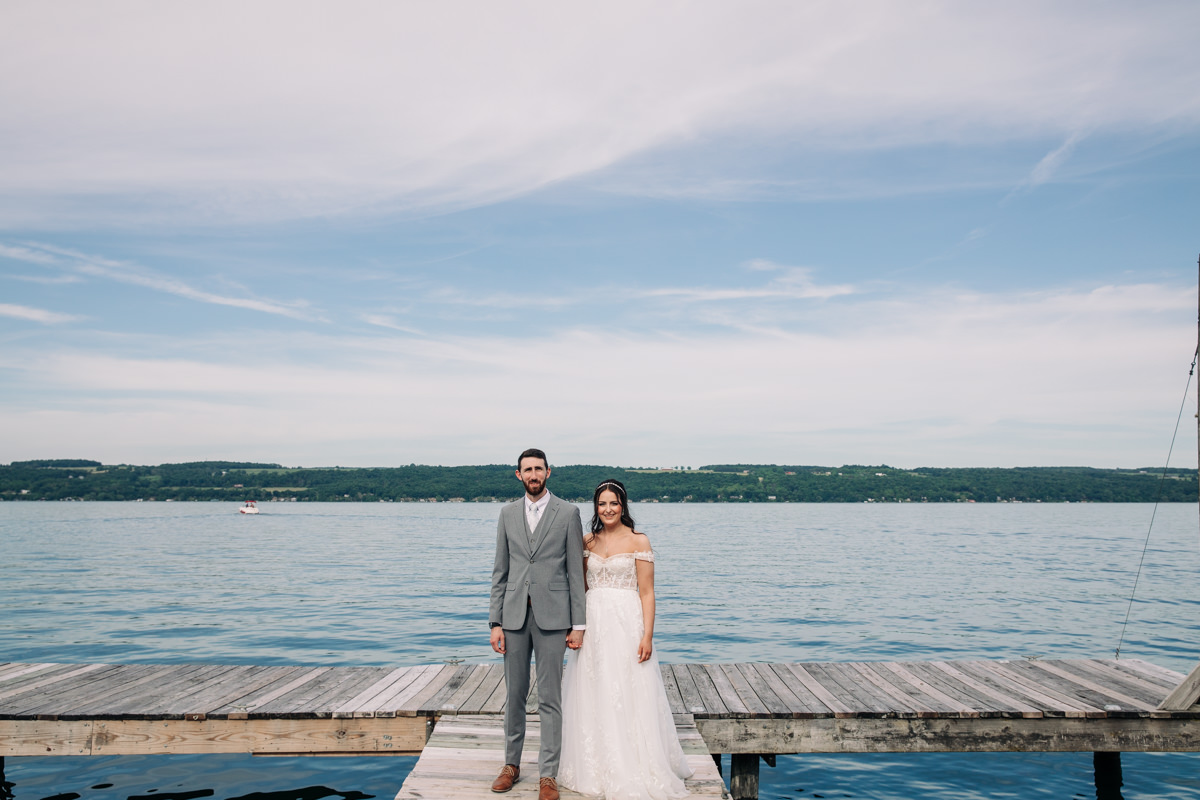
(1107,766)
(743,776)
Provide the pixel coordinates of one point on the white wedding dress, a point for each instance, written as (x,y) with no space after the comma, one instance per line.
(618,736)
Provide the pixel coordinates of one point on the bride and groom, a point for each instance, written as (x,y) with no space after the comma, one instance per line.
(606,727)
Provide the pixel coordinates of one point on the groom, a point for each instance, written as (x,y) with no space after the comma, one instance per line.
(537,607)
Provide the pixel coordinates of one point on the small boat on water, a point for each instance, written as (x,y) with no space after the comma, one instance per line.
(249,507)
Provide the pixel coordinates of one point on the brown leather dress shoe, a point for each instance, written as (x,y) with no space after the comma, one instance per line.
(547,789)
(507,777)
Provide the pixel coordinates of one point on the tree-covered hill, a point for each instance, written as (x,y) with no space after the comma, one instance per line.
(81,479)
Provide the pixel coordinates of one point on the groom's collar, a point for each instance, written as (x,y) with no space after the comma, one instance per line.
(541,502)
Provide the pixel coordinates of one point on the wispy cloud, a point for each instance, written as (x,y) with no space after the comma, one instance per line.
(503,300)
(519,100)
(26,254)
(1050,164)
(133,274)
(793,283)
(389,322)
(47,280)
(35,314)
(139,276)
(1046,169)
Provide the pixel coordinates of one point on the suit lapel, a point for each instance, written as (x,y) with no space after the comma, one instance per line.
(521,524)
(539,533)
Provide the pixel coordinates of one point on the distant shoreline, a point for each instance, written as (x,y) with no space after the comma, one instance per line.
(635,502)
(228,481)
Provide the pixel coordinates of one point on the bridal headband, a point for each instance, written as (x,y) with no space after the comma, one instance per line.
(616,486)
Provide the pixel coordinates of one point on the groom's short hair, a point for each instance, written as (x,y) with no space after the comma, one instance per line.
(533,452)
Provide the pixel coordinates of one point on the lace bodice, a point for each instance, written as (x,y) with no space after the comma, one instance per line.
(615,572)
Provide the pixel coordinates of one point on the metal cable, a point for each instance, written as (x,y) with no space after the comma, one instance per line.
(1161,482)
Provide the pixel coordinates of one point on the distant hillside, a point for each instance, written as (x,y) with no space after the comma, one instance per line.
(82,479)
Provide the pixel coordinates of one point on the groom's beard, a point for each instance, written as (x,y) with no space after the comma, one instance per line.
(534,486)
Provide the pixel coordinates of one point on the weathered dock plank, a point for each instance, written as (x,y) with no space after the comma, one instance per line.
(1186,694)
(93,690)
(13,671)
(454,702)
(1049,706)
(1170,678)
(860,696)
(903,704)
(493,680)
(364,703)
(497,700)
(827,698)
(951,705)
(26,702)
(1128,681)
(694,700)
(797,706)
(295,702)
(392,702)
(729,696)
(1062,691)
(671,686)
(127,697)
(417,703)
(982,704)
(1107,695)
(152,702)
(214,691)
(994,696)
(352,681)
(465,752)
(245,706)
(741,687)
(32,681)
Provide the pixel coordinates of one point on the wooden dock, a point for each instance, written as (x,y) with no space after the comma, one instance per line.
(464,753)
(748,710)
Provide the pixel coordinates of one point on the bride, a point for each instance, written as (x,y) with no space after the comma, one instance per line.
(618,738)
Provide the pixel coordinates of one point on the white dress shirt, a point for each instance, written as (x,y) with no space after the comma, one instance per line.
(534,510)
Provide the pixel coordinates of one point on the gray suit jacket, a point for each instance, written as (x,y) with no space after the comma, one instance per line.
(540,569)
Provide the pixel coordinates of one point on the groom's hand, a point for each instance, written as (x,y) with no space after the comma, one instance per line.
(498,639)
(575,640)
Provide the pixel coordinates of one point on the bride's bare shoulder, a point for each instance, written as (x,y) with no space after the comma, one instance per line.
(641,542)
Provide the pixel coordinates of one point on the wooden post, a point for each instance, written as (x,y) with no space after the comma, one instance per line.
(1108,775)
(743,776)
(1185,695)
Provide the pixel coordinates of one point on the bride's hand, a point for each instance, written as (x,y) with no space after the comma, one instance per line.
(645,648)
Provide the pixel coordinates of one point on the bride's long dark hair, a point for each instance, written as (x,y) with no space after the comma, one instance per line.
(617,488)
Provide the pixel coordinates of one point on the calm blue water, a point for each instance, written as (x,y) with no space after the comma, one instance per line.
(394,584)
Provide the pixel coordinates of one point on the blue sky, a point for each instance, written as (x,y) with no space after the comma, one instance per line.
(932,234)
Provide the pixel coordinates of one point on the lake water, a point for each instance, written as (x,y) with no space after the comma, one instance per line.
(398,584)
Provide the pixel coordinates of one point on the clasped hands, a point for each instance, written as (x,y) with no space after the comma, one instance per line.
(574,639)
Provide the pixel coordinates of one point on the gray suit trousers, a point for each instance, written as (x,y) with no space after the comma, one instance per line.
(547,648)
